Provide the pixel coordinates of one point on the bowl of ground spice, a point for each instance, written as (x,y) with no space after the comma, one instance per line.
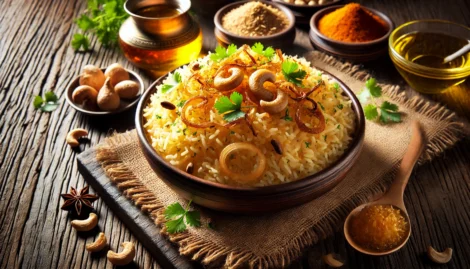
(248,22)
(351,31)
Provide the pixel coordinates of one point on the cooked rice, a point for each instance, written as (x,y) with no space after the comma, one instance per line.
(303,153)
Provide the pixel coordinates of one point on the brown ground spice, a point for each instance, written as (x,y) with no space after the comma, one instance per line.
(255,19)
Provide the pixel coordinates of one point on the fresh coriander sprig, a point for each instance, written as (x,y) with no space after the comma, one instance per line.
(292,72)
(269,52)
(386,112)
(47,104)
(178,217)
(221,53)
(231,108)
(173,82)
(286,116)
(103,18)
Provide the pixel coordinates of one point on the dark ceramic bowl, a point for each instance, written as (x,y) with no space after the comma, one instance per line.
(279,40)
(251,199)
(124,104)
(356,51)
(306,9)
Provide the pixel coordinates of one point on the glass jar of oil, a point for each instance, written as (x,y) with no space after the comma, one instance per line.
(418,49)
(160,36)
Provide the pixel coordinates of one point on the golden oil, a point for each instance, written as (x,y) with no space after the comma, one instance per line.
(428,50)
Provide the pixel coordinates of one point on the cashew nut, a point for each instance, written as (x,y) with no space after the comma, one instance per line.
(98,245)
(74,135)
(92,76)
(277,105)
(440,257)
(125,256)
(256,81)
(86,224)
(84,94)
(224,83)
(333,260)
(127,89)
(108,99)
(116,73)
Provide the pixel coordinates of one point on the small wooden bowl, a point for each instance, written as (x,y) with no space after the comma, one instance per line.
(251,199)
(124,105)
(279,40)
(355,51)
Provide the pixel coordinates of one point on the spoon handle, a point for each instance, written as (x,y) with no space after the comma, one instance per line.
(414,150)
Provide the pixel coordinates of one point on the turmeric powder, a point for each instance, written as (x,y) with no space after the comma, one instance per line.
(352,23)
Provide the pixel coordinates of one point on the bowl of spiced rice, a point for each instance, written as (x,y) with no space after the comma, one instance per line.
(248,22)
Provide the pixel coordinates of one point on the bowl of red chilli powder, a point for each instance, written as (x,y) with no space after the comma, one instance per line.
(351,31)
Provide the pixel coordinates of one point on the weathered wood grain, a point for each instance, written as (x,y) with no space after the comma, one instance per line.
(36,165)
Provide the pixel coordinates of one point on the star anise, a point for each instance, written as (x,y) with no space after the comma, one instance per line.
(76,199)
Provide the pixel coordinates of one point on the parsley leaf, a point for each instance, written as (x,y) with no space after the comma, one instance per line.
(222,53)
(269,52)
(363,96)
(286,116)
(48,103)
(374,89)
(293,73)
(178,217)
(307,144)
(389,113)
(172,84)
(370,111)
(80,41)
(85,23)
(181,103)
(231,108)
(50,97)
(37,102)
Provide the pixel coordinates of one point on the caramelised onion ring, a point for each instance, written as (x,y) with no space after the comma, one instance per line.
(315,112)
(204,101)
(242,178)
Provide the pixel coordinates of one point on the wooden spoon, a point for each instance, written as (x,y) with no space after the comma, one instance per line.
(394,196)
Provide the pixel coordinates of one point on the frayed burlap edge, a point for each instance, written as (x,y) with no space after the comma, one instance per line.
(205,251)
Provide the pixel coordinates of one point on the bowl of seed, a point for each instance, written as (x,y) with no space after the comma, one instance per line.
(248,22)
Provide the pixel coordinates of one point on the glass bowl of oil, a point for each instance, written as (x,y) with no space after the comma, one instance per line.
(418,49)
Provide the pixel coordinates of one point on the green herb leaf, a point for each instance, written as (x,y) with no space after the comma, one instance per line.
(181,103)
(231,107)
(172,84)
(222,53)
(370,111)
(178,217)
(37,102)
(363,96)
(85,23)
(269,52)
(389,113)
(340,106)
(49,107)
(292,72)
(286,116)
(50,97)
(307,144)
(79,42)
(374,89)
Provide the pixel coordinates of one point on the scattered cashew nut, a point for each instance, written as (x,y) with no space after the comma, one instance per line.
(84,94)
(116,73)
(224,83)
(277,105)
(125,256)
(256,81)
(439,257)
(74,135)
(86,224)
(333,260)
(92,76)
(127,89)
(98,245)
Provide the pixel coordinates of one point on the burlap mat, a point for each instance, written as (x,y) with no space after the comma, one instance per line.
(274,240)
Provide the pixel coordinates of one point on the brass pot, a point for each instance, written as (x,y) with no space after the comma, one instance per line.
(160,35)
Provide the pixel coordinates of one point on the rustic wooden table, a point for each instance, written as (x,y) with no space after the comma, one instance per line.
(36,165)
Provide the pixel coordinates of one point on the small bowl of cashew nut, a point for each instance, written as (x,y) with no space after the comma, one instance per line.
(104,91)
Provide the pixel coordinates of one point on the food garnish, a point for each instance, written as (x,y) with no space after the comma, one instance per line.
(168,105)
(124,257)
(439,257)
(87,224)
(269,52)
(276,146)
(177,217)
(333,260)
(292,72)
(170,85)
(47,104)
(98,244)
(286,116)
(221,53)
(103,18)
(227,152)
(388,111)
(75,200)
(231,108)
(74,135)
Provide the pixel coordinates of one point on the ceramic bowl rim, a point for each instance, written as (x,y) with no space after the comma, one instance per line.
(307,6)
(101,113)
(319,14)
(357,141)
(135,15)
(290,16)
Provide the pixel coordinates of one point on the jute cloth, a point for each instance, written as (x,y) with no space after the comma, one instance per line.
(274,240)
